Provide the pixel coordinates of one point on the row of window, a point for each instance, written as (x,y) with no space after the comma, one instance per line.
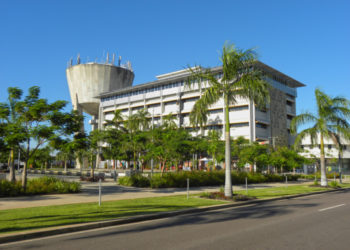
(152,89)
(142,91)
(329,146)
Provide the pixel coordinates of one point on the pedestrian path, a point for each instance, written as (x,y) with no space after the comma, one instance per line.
(110,192)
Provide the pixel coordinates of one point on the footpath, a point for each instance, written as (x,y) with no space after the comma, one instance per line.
(111,192)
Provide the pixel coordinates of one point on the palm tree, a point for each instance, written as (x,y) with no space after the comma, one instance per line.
(117,120)
(330,121)
(240,79)
(169,122)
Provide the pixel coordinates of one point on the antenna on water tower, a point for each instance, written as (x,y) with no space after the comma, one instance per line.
(113,58)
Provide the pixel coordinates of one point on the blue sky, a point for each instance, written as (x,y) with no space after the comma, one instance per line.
(308,40)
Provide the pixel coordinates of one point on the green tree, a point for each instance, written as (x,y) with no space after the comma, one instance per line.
(9,115)
(41,157)
(330,119)
(238,145)
(286,159)
(214,145)
(240,79)
(37,123)
(254,154)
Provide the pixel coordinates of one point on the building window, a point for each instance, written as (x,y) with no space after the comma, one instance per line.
(289,103)
(153,105)
(193,99)
(262,110)
(170,103)
(239,108)
(290,96)
(215,127)
(216,111)
(261,125)
(138,108)
(329,146)
(238,125)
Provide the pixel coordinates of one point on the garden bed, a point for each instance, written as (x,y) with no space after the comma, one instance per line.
(42,185)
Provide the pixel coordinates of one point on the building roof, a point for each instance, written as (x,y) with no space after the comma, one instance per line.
(183,74)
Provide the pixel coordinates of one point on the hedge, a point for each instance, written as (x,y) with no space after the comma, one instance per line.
(197,179)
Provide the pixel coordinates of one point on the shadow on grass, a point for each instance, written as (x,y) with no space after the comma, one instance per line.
(28,223)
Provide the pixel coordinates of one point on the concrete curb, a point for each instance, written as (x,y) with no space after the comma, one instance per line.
(139,218)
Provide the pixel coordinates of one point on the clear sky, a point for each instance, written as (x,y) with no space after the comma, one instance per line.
(306,39)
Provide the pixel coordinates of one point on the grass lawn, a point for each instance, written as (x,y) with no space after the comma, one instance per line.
(266,193)
(40,217)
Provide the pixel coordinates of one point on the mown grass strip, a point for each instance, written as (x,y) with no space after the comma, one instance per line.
(267,193)
(41,217)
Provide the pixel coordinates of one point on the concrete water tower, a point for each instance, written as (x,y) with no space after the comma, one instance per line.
(86,81)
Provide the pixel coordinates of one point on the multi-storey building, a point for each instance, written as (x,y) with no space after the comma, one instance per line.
(170,95)
(332,156)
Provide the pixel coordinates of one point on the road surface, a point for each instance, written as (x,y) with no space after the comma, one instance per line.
(311,222)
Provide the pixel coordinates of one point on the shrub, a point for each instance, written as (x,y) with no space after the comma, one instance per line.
(334,184)
(42,185)
(8,188)
(134,181)
(197,179)
(318,176)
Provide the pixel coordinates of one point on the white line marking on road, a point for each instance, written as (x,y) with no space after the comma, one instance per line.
(323,209)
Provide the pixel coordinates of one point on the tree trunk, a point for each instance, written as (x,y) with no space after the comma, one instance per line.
(65,166)
(92,172)
(163,167)
(24,176)
(324,182)
(228,181)
(12,167)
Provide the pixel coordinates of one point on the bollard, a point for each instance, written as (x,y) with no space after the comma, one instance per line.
(188,187)
(246,185)
(287,180)
(334,176)
(99,192)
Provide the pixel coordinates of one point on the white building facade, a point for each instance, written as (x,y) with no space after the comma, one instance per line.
(331,154)
(170,95)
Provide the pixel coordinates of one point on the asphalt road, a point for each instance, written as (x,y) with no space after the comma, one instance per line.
(312,222)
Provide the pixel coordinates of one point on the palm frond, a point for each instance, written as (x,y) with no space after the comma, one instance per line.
(301,120)
(309,132)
